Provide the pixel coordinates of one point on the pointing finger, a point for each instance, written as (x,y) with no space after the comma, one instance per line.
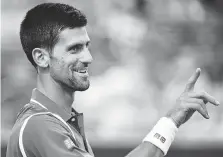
(192,80)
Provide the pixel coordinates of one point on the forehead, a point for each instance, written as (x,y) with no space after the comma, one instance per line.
(70,36)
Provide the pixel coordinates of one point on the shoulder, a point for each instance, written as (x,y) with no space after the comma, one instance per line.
(40,131)
(32,131)
(43,133)
(41,123)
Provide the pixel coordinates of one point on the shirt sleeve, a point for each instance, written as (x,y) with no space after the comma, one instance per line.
(44,136)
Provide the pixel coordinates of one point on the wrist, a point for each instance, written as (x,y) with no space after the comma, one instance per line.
(177,124)
(162,134)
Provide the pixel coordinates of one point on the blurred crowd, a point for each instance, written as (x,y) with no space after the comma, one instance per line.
(144,52)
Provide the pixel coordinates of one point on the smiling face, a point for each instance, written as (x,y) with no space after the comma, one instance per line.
(70,59)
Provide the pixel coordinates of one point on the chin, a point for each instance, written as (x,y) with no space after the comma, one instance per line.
(81,86)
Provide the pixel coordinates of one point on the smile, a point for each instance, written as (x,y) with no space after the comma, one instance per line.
(81,71)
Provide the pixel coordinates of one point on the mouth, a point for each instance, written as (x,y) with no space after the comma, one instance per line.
(82,72)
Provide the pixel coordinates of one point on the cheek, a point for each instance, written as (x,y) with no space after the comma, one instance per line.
(71,61)
(64,64)
(57,66)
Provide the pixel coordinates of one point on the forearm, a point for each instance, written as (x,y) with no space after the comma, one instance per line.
(146,149)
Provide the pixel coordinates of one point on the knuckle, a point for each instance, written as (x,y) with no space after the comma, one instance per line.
(199,109)
(203,93)
(181,98)
(202,108)
(190,94)
(200,101)
(185,95)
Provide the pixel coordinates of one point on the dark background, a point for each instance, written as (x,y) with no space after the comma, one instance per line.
(117,152)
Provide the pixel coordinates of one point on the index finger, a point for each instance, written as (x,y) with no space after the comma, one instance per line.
(192,80)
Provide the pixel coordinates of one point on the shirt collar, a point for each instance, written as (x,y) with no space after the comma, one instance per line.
(42,100)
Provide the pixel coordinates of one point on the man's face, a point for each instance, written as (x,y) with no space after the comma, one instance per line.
(70,59)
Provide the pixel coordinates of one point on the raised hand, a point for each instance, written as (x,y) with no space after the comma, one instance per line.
(191,101)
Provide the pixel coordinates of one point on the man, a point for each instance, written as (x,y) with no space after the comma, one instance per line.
(56,42)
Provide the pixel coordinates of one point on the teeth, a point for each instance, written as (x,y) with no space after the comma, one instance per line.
(81,71)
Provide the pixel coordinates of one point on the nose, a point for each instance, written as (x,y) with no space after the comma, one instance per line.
(86,56)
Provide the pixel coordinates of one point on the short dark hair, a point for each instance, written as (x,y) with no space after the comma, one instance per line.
(43,23)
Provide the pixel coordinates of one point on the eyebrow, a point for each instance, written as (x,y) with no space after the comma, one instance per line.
(78,43)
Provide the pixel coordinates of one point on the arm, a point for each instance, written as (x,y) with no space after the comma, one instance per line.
(186,105)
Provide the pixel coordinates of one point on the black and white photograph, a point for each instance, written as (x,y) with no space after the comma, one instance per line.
(111,78)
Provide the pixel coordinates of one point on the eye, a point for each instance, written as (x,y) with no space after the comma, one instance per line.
(76,48)
(88,44)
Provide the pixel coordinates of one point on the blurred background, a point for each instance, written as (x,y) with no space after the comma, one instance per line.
(144,52)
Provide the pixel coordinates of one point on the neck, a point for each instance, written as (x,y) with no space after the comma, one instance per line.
(62,96)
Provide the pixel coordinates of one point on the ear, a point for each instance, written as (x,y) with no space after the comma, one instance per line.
(41,57)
